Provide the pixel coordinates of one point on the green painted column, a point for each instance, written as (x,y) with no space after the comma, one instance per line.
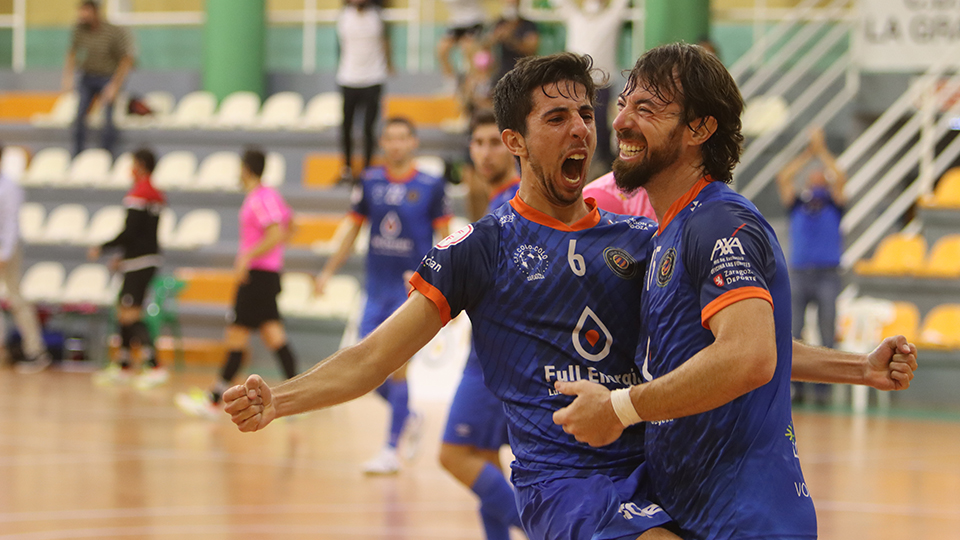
(234,39)
(668,21)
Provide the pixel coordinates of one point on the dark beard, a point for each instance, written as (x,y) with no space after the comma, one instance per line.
(630,178)
(549,187)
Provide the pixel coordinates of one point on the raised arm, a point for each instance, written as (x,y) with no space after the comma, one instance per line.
(786,179)
(836,177)
(347,375)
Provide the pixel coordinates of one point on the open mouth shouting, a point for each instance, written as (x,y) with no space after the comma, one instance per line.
(574,167)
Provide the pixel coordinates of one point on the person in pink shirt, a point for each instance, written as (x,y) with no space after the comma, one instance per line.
(265,220)
(604,190)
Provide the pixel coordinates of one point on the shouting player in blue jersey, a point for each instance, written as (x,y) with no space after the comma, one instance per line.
(404,207)
(552,286)
(476,426)
(720,446)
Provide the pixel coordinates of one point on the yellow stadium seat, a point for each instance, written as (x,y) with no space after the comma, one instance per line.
(321,170)
(944,259)
(941,328)
(906,319)
(423,110)
(312,228)
(947,192)
(207,285)
(897,255)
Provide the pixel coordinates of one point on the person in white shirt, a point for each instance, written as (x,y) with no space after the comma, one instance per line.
(11,257)
(594,29)
(362,71)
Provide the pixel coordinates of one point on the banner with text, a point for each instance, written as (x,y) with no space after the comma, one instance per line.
(907,35)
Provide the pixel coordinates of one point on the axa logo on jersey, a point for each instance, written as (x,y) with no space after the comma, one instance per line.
(725,246)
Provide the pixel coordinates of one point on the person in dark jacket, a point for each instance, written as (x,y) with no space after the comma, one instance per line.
(138,260)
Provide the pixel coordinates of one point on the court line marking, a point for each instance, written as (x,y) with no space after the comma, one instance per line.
(379,531)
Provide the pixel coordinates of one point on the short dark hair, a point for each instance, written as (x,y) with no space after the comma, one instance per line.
(402,120)
(92,4)
(146,158)
(697,81)
(254,160)
(513,95)
(482,117)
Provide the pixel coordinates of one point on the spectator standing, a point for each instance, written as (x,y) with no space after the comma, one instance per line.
(363,69)
(817,243)
(466,18)
(11,257)
(512,38)
(102,54)
(594,29)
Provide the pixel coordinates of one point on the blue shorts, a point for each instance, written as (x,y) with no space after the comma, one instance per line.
(376,310)
(476,415)
(593,508)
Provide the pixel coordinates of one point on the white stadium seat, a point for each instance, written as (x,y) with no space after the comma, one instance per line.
(167,227)
(87,284)
(120,175)
(62,114)
(197,228)
(48,168)
(161,105)
(280,111)
(14,162)
(220,171)
(274,170)
(175,170)
(31,219)
(105,224)
(237,110)
(194,110)
(296,293)
(339,298)
(66,224)
(322,112)
(43,282)
(432,165)
(90,167)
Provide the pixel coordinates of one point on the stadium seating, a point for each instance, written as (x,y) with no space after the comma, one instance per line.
(197,228)
(90,167)
(237,110)
(296,294)
(339,298)
(105,225)
(63,112)
(31,220)
(13,162)
(206,285)
(941,328)
(66,224)
(897,255)
(219,171)
(161,105)
(280,111)
(88,284)
(43,282)
(905,321)
(320,170)
(120,175)
(311,229)
(166,229)
(943,260)
(194,110)
(274,170)
(175,170)
(323,111)
(432,165)
(48,167)
(947,192)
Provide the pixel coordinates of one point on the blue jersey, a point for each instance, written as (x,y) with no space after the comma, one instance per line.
(548,302)
(815,230)
(402,213)
(732,472)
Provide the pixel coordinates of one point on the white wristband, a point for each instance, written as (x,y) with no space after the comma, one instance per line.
(623,406)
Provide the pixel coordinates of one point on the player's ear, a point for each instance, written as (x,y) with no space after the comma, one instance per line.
(514,142)
(702,129)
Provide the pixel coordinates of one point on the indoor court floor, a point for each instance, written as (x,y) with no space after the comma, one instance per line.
(80,461)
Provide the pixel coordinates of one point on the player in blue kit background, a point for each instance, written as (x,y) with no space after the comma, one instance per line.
(721,449)
(404,207)
(476,426)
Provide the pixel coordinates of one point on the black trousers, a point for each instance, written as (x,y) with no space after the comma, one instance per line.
(368,99)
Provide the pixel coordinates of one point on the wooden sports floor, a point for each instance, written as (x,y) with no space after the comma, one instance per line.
(80,461)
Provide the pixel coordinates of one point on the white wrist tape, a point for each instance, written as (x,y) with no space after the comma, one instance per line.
(623,406)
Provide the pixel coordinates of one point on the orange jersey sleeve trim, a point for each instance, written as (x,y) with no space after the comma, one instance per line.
(536,216)
(357,218)
(732,297)
(682,202)
(441,221)
(434,295)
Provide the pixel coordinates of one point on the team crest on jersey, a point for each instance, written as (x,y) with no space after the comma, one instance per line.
(591,338)
(718,280)
(665,269)
(455,238)
(532,260)
(413,196)
(390,226)
(621,263)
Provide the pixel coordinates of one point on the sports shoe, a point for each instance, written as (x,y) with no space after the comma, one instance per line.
(150,378)
(386,462)
(412,433)
(38,364)
(198,404)
(112,375)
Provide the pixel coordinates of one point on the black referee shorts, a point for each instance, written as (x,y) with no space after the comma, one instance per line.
(135,284)
(256,301)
